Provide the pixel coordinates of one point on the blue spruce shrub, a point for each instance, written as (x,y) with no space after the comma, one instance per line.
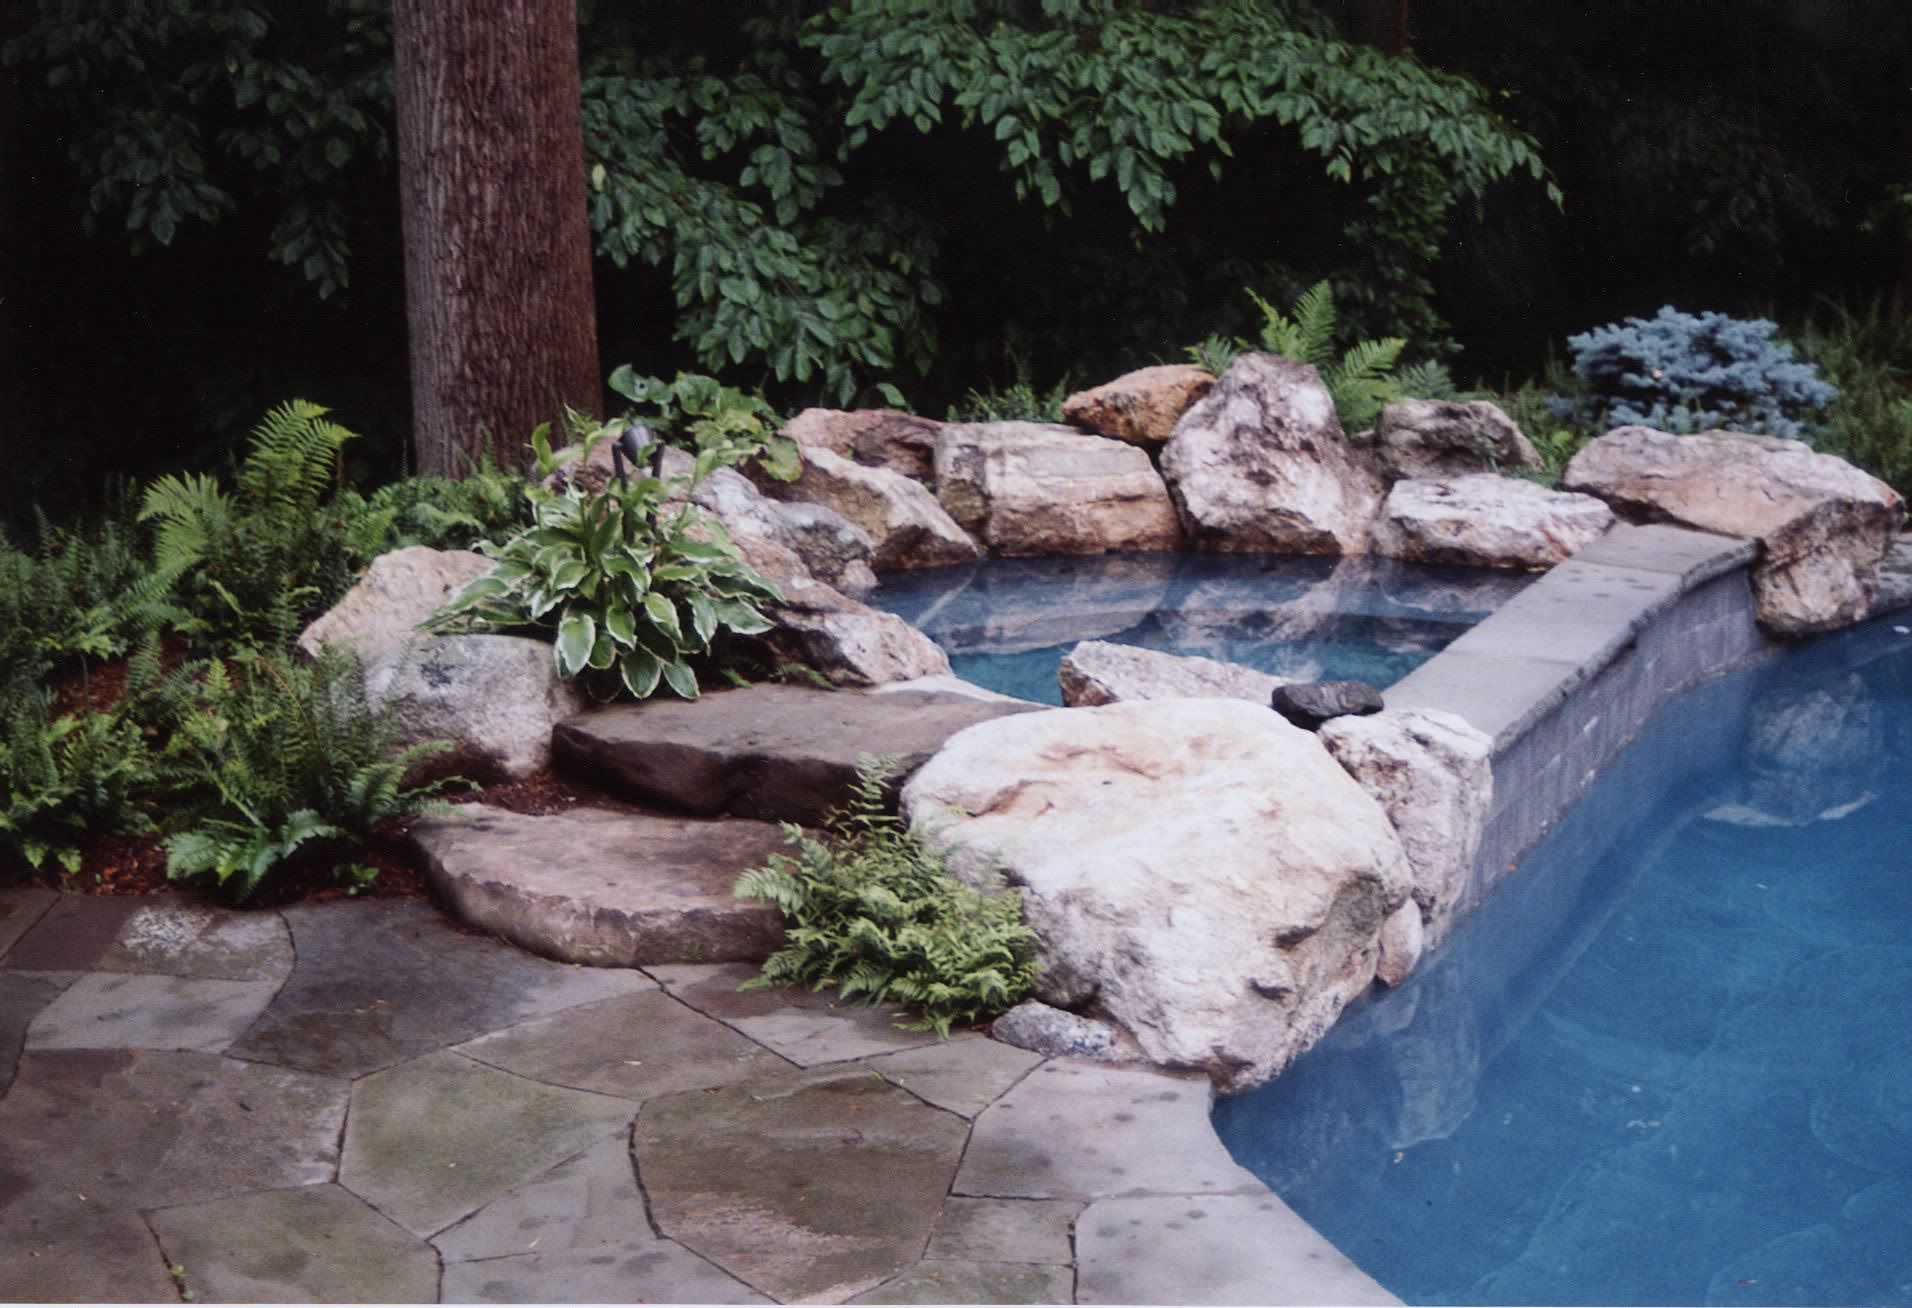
(1682,372)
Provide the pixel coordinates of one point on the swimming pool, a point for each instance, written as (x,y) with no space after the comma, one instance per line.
(1006,623)
(1670,1059)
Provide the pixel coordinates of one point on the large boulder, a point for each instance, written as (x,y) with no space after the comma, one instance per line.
(398,591)
(1202,875)
(1102,672)
(836,550)
(877,438)
(1140,407)
(1261,465)
(1032,488)
(905,524)
(1486,521)
(1433,776)
(1822,524)
(495,698)
(1431,439)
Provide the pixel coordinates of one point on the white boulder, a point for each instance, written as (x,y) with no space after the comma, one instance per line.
(906,526)
(495,698)
(1432,439)
(1823,525)
(398,591)
(1032,488)
(1197,871)
(1486,521)
(1261,465)
(1102,672)
(1432,773)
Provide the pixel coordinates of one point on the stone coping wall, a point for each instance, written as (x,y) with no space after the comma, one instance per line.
(1567,673)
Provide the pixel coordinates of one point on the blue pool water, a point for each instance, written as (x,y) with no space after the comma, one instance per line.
(1669,1060)
(1006,623)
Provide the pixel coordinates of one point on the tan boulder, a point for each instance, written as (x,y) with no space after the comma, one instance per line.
(1031,488)
(1201,874)
(1823,525)
(398,591)
(905,524)
(1261,465)
(1481,520)
(1434,439)
(877,438)
(1140,407)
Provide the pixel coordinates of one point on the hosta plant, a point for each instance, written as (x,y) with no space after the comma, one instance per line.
(631,582)
(875,912)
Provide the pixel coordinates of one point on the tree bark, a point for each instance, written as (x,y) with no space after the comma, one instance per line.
(497,247)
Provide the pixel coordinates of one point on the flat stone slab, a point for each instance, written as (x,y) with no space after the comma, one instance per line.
(1500,695)
(22,997)
(20,908)
(1211,1249)
(1075,1130)
(963,1075)
(439,1137)
(590,885)
(171,935)
(976,1282)
(816,1185)
(105,1010)
(71,934)
(588,1201)
(143,1129)
(808,1027)
(657,1272)
(381,981)
(80,1252)
(636,1047)
(316,1244)
(1580,614)
(1694,557)
(1005,1231)
(782,753)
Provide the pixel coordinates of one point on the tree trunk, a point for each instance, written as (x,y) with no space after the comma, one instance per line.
(497,248)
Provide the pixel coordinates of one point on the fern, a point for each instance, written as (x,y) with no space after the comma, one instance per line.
(876,913)
(62,778)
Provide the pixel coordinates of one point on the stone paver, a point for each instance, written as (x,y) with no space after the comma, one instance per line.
(808,1027)
(1005,1231)
(964,1075)
(758,1178)
(315,1243)
(588,1201)
(1178,1250)
(592,885)
(105,1010)
(139,1129)
(636,1047)
(1073,1130)
(61,1249)
(439,1137)
(976,1282)
(20,908)
(173,935)
(385,982)
(658,1272)
(22,996)
(783,753)
(72,934)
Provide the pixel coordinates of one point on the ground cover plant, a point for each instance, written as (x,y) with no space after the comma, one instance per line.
(875,914)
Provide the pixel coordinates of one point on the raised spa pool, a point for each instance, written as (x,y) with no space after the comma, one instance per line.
(1669,1060)
(1006,623)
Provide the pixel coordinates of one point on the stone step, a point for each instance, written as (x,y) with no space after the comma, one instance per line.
(603,886)
(786,753)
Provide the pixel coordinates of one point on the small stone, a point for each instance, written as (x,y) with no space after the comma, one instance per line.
(1101,672)
(1054,1033)
(1308,704)
(1140,407)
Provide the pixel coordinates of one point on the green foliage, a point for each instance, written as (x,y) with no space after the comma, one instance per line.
(1553,427)
(171,105)
(1867,354)
(487,505)
(266,755)
(876,913)
(1018,402)
(719,424)
(632,581)
(1363,380)
(254,563)
(87,592)
(64,777)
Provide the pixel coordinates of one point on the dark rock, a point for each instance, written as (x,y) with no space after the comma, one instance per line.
(1054,1033)
(781,753)
(1308,704)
